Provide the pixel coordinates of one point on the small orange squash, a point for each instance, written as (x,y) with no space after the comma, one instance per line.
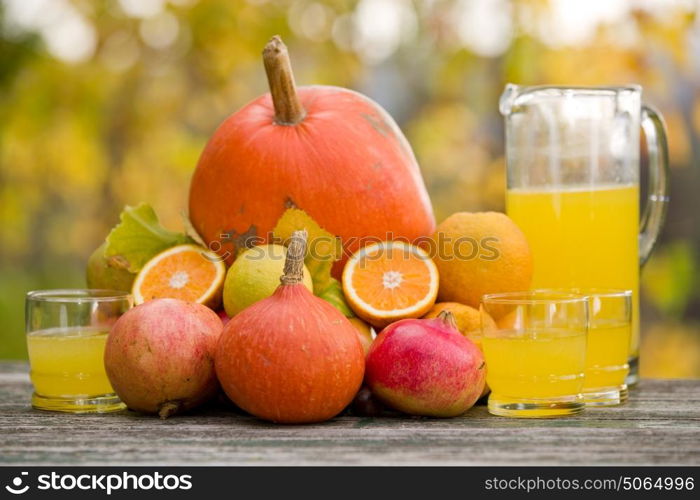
(330,151)
(292,357)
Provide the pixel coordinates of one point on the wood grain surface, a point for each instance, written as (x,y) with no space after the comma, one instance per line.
(659,425)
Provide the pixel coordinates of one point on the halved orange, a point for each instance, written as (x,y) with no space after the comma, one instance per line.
(391,280)
(186,272)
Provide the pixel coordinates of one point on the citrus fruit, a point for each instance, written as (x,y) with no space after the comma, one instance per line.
(255,275)
(480,253)
(186,272)
(468,319)
(391,280)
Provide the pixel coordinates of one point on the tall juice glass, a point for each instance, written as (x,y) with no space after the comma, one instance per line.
(535,358)
(66,335)
(573,186)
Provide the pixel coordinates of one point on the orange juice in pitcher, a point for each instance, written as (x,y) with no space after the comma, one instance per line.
(573,186)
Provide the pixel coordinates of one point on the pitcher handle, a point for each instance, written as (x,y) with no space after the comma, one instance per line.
(652,219)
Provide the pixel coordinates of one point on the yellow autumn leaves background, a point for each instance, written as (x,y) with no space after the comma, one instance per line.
(109,102)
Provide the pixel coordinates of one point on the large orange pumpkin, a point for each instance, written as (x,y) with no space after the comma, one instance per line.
(330,151)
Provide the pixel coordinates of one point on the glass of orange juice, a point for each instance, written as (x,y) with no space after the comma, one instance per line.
(536,357)
(66,335)
(609,333)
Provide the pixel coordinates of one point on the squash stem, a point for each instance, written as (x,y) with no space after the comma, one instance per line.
(280,78)
(294,263)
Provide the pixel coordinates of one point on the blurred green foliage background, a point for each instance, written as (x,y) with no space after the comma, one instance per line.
(109,102)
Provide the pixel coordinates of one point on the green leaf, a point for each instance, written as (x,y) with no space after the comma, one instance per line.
(139,237)
(323,248)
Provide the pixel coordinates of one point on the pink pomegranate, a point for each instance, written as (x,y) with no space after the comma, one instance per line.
(159,356)
(426,367)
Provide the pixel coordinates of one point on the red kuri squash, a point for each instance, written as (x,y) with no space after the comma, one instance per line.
(292,357)
(330,151)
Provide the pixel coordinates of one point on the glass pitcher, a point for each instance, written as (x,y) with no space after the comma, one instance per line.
(572,156)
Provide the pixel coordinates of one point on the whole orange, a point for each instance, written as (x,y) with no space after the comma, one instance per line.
(480,253)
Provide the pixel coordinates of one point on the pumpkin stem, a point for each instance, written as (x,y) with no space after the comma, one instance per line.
(294,263)
(288,108)
(448,318)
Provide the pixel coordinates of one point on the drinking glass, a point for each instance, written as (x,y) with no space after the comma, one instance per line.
(66,335)
(609,332)
(536,356)
(572,156)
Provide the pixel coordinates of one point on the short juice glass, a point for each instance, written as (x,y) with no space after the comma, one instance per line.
(66,335)
(536,356)
(609,337)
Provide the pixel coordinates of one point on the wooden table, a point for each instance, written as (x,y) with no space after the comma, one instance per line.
(659,425)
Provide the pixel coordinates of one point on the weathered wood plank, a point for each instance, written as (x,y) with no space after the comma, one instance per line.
(660,425)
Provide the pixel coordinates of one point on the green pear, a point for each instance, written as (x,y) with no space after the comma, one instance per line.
(103,272)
